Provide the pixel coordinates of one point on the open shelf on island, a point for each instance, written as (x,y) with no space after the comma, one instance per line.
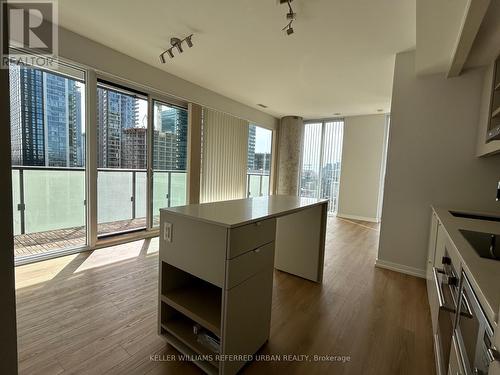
(195,298)
(199,301)
(182,329)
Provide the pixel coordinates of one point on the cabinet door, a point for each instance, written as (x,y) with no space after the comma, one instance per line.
(247,318)
(431,287)
(432,245)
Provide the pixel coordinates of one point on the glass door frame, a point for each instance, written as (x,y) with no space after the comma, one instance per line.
(151,96)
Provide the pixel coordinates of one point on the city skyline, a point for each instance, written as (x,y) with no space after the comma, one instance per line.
(48,127)
(46,119)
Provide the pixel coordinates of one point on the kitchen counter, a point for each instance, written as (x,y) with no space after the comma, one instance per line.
(484,274)
(240,212)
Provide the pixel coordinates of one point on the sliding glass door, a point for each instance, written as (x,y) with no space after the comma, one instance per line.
(169,154)
(321,161)
(48,159)
(122,159)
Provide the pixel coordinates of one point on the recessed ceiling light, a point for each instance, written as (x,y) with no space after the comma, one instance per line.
(262,105)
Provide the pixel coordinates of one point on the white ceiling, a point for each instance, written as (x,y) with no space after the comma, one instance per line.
(340,59)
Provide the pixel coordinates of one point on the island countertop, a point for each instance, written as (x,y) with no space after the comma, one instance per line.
(237,212)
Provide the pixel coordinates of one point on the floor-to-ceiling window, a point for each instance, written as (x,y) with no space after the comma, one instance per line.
(47,110)
(321,161)
(169,153)
(259,160)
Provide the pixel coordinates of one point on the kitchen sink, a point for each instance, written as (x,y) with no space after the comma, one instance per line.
(485,244)
(475,216)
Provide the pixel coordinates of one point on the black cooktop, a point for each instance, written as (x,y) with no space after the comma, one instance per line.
(485,244)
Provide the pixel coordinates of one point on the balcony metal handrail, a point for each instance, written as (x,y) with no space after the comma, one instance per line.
(51,168)
(21,207)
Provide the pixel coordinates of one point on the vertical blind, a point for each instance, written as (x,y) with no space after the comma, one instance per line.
(321,161)
(224,157)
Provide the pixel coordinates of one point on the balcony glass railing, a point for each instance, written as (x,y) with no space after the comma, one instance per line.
(49,199)
(257,184)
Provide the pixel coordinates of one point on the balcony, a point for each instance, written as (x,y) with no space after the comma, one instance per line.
(49,204)
(257,184)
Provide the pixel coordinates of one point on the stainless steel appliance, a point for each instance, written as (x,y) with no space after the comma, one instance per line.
(446,283)
(473,333)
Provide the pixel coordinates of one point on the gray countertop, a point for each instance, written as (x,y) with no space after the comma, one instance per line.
(239,212)
(484,274)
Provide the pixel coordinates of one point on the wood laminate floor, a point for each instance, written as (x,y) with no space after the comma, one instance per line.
(95,313)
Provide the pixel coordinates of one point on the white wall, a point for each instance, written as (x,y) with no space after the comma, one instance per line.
(362,161)
(438,27)
(431,160)
(97,56)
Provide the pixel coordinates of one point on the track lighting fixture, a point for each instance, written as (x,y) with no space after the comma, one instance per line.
(290,16)
(176,43)
(288,28)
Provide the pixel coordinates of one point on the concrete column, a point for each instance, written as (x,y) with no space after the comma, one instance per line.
(291,135)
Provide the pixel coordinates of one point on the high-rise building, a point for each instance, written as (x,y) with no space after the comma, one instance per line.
(262,163)
(174,125)
(134,152)
(251,147)
(129,111)
(27,120)
(46,128)
(79,145)
(115,112)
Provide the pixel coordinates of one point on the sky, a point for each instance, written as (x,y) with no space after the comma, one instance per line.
(263,139)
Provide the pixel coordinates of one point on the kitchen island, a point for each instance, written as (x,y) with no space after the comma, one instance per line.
(216,266)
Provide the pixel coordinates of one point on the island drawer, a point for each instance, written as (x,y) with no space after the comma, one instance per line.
(251,236)
(248,264)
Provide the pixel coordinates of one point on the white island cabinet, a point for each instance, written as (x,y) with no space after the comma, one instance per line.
(216,272)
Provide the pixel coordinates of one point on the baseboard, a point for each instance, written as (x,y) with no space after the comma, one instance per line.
(355,217)
(400,268)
